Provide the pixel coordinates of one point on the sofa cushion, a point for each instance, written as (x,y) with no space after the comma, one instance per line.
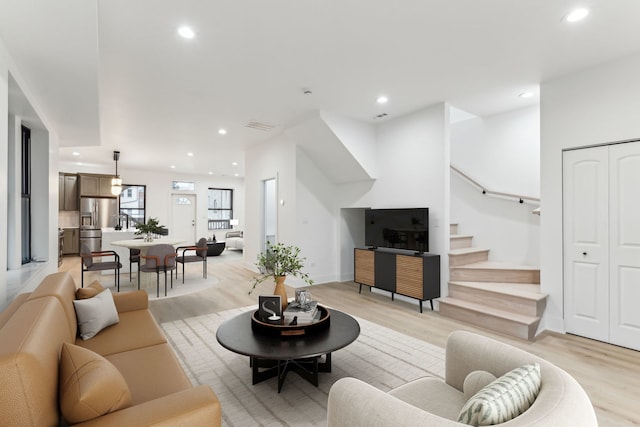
(90,291)
(90,386)
(432,395)
(95,314)
(234,234)
(136,329)
(476,381)
(503,399)
(151,372)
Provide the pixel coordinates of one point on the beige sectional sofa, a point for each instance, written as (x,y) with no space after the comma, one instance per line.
(561,401)
(36,328)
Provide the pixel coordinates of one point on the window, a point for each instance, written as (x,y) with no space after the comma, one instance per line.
(25,210)
(183,185)
(220,208)
(132,204)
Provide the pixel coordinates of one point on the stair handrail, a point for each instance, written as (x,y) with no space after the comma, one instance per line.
(519,198)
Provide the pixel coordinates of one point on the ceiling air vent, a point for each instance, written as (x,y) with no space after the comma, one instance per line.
(266,127)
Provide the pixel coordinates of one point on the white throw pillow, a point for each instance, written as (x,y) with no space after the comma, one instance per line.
(95,314)
(503,399)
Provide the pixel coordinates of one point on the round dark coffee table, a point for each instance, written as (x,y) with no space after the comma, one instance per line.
(274,356)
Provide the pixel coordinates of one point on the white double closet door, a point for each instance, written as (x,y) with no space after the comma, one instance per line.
(601,210)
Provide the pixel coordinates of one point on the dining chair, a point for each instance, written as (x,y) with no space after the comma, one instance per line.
(197,253)
(88,264)
(134,258)
(159,258)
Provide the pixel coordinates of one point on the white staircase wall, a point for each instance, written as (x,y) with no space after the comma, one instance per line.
(507,227)
(341,153)
(502,152)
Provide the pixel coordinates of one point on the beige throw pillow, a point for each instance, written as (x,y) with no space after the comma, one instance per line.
(503,399)
(90,386)
(95,314)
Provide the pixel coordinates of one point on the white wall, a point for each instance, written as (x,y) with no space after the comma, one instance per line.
(4,168)
(15,95)
(357,137)
(413,171)
(317,231)
(14,172)
(158,197)
(412,154)
(500,151)
(507,228)
(595,106)
(41,176)
(275,158)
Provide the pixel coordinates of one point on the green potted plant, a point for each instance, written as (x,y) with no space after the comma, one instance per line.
(151,227)
(279,261)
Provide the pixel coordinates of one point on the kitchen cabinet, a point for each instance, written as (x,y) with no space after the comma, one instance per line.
(67,192)
(95,185)
(71,241)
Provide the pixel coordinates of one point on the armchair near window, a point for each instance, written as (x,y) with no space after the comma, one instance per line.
(159,258)
(88,264)
(197,253)
(234,240)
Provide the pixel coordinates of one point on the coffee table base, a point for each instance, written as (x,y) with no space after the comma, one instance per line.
(307,368)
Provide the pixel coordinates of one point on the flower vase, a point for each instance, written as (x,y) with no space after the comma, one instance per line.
(281,290)
(148,237)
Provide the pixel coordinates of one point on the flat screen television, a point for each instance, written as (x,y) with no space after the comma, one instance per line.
(397,228)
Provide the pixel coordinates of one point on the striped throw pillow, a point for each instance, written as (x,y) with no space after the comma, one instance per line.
(503,399)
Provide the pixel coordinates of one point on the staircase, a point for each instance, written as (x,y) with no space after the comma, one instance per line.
(498,296)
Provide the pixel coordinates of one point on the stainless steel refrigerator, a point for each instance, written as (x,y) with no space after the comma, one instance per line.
(96,214)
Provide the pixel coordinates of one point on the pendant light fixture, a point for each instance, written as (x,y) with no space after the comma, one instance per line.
(116,182)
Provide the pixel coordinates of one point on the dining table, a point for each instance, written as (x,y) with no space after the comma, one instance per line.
(146,280)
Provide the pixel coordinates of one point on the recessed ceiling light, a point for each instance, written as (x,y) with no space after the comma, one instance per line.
(577,15)
(210,173)
(222,131)
(75,153)
(190,154)
(172,166)
(234,163)
(526,95)
(382,99)
(236,174)
(186,32)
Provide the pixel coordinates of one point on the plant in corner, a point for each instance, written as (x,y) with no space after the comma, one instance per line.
(278,261)
(151,227)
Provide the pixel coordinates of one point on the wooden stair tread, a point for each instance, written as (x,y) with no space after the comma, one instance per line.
(494,265)
(483,309)
(464,251)
(460,236)
(522,290)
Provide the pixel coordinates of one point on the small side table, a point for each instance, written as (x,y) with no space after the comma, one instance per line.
(215,248)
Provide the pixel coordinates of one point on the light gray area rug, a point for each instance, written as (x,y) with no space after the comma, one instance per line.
(380,356)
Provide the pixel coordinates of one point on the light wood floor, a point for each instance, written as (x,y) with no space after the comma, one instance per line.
(609,374)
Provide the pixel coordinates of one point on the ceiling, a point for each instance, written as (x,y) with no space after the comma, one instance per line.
(114,74)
